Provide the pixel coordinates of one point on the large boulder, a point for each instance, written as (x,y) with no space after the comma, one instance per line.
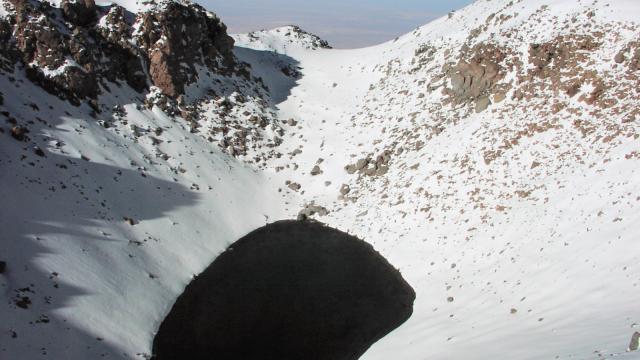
(476,76)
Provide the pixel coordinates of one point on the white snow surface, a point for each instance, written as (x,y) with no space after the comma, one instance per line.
(542,262)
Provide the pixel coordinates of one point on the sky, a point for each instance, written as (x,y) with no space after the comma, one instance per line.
(344,23)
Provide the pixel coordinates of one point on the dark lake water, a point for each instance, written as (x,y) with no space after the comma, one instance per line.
(291,290)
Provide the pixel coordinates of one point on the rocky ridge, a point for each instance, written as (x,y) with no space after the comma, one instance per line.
(284,39)
(174,55)
(80,50)
(528,84)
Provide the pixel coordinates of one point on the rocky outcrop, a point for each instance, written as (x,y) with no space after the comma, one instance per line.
(476,79)
(79,12)
(635,60)
(72,58)
(631,53)
(371,167)
(124,59)
(8,56)
(311,210)
(561,67)
(78,49)
(619,58)
(560,53)
(315,42)
(178,38)
(53,55)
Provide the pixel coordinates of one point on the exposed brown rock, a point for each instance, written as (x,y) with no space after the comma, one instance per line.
(482,103)
(634,64)
(476,76)
(595,94)
(560,53)
(79,12)
(8,54)
(19,133)
(316,170)
(72,59)
(561,66)
(190,36)
(124,60)
(311,210)
(370,167)
(573,89)
(499,97)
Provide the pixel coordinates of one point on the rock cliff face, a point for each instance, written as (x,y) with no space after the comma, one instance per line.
(177,39)
(78,50)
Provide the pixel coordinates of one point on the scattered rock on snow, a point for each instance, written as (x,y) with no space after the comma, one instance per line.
(23,302)
(310,210)
(38,151)
(19,133)
(370,167)
(130,221)
(316,170)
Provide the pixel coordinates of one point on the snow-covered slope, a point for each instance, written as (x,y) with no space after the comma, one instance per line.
(101,233)
(282,40)
(515,225)
(492,156)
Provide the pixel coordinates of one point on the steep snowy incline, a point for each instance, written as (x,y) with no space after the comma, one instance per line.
(492,156)
(112,222)
(115,198)
(104,222)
